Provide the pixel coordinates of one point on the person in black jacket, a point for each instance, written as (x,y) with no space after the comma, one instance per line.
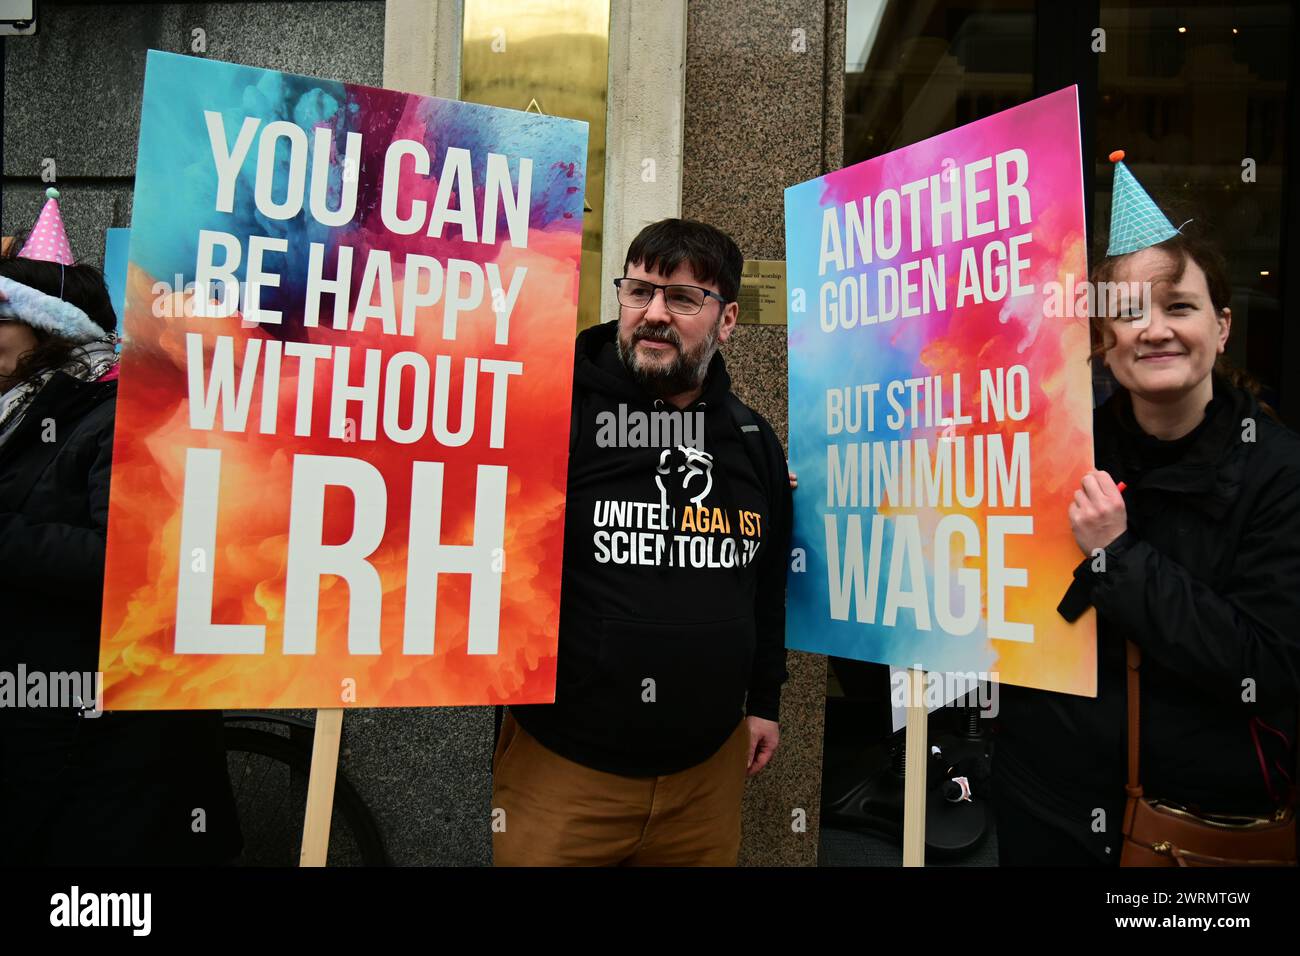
(672,608)
(78,785)
(1196,561)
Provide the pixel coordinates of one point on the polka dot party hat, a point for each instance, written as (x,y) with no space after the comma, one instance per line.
(48,241)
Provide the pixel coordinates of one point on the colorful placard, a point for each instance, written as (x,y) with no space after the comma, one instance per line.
(341,446)
(940,402)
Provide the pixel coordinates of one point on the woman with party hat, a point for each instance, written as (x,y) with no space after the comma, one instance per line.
(1190,534)
(77,785)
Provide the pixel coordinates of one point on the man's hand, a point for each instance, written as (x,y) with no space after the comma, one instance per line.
(1098,515)
(764,738)
(794,480)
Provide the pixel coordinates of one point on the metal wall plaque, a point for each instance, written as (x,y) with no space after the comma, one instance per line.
(762,292)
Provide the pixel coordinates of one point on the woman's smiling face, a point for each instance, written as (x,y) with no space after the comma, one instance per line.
(1168,352)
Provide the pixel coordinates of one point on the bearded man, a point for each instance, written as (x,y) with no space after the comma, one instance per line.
(672,608)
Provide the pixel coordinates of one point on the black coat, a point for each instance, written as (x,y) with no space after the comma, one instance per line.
(119,788)
(1206,582)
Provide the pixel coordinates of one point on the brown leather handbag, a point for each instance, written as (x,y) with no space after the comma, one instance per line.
(1161,833)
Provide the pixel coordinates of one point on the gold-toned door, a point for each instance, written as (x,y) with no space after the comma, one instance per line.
(552,57)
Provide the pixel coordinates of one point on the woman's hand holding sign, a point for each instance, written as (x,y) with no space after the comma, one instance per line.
(1098,515)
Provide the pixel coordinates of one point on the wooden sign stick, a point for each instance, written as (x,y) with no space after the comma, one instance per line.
(320,787)
(914,765)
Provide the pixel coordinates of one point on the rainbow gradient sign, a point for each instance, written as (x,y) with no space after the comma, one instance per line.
(940,402)
(341,447)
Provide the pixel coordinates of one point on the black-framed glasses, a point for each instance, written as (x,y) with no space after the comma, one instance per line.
(681,299)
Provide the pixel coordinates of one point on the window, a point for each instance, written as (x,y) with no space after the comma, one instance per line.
(1199,94)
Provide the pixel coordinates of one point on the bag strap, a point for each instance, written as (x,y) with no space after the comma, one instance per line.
(1134,660)
(752,438)
(1295,776)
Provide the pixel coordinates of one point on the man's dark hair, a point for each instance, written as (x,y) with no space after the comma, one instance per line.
(712,255)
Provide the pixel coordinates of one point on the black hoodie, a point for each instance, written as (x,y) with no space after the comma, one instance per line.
(672,608)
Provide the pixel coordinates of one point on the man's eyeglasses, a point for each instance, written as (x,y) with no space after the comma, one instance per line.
(681,299)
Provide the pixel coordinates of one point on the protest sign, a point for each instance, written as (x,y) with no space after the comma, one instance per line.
(940,402)
(116,241)
(341,448)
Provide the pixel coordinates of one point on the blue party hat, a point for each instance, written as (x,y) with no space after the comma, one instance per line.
(1135,220)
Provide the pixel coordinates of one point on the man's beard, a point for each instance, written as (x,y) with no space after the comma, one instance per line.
(685,372)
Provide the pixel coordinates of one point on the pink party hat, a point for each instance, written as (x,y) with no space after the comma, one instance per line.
(48,241)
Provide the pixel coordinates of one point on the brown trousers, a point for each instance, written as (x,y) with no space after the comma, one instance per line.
(560,813)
